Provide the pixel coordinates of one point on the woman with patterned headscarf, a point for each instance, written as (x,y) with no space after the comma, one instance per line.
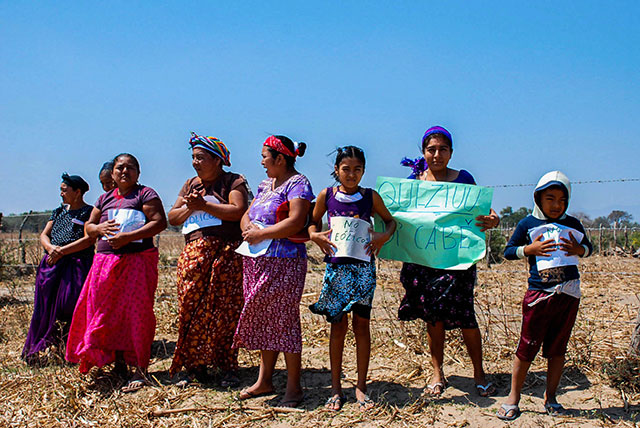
(63,268)
(209,208)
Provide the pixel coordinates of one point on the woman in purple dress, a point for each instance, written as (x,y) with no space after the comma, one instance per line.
(63,269)
(273,282)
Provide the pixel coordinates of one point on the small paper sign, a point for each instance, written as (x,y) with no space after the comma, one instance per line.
(128,219)
(254,250)
(350,235)
(557,257)
(199,219)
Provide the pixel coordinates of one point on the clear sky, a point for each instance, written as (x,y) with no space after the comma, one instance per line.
(524,87)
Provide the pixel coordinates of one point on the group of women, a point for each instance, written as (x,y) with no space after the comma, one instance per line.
(103,303)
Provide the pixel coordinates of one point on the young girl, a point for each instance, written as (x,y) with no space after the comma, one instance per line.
(348,283)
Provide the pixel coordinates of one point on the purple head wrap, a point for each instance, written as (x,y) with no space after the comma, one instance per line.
(438,130)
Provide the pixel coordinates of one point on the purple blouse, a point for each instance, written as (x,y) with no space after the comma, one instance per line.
(267,202)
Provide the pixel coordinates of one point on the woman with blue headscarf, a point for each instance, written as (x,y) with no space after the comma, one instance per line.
(63,269)
(209,208)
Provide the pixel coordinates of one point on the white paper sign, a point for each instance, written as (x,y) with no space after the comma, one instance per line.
(557,257)
(350,235)
(128,219)
(199,219)
(255,250)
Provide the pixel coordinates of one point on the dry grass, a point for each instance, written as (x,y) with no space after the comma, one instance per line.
(57,395)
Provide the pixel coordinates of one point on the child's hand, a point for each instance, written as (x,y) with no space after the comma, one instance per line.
(377,241)
(571,246)
(322,240)
(486,222)
(540,248)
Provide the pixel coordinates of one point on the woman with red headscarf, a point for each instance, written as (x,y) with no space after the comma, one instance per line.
(273,282)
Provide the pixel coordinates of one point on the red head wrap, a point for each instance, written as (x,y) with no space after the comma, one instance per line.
(279,146)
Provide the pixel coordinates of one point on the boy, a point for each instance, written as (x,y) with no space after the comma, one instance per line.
(552,241)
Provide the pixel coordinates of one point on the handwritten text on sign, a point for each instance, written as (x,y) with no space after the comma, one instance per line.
(436,222)
(350,235)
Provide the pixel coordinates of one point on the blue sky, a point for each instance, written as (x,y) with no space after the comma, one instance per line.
(523,87)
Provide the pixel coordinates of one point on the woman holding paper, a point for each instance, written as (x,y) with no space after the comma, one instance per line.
(209,206)
(273,282)
(113,320)
(63,269)
(444,298)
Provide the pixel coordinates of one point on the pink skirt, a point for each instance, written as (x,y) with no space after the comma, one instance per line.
(115,311)
(270,318)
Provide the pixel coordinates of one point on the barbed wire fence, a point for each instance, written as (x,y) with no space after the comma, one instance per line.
(615,240)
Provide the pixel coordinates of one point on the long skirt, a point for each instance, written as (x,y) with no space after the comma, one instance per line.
(115,311)
(56,293)
(346,287)
(270,318)
(438,295)
(210,298)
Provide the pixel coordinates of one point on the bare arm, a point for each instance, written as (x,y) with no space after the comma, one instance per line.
(320,238)
(95,229)
(45,237)
(378,239)
(298,210)
(232,211)
(179,212)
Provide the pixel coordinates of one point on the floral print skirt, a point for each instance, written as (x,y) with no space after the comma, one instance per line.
(435,295)
(210,298)
(270,318)
(345,286)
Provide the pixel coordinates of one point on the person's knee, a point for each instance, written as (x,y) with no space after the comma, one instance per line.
(339,329)
(360,326)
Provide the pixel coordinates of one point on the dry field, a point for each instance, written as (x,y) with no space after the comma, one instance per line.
(57,395)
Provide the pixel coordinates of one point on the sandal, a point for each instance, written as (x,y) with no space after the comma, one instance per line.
(556,409)
(486,390)
(292,404)
(338,400)
(434,390)
(134,385)
(246,395)
(366,403)
(510,412)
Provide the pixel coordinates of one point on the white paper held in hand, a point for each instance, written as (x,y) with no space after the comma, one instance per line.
(350,235)
(199,219)
(128,219)
(255,250)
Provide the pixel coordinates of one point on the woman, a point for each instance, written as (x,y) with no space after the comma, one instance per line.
(425,287)
(114,318)
(63,268)
(273,282)
(105,176)
(209,283)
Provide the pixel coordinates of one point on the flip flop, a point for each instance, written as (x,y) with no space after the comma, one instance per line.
(366,403)
(555,409)
(134,385)
(486,390)
(246,395)
(332,401)
(434,390)
(511,412)
(291,404)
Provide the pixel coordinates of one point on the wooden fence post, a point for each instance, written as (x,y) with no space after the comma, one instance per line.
(23,253)
(600,240)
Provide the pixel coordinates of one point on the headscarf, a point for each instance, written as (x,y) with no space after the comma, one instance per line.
(552,178)
(75,182)
(279,146)
(212,145)
(438,130)
(419,165)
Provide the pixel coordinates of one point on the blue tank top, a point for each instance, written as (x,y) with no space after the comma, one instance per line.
(358,209)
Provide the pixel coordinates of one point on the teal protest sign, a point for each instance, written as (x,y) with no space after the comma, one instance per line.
(436,222)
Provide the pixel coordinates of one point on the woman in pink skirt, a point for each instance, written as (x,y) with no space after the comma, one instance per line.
(113,320)
(273,282)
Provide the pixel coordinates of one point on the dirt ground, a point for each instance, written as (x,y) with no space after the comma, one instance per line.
(58,395)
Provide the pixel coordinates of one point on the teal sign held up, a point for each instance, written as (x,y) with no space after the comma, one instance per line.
(436,222)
